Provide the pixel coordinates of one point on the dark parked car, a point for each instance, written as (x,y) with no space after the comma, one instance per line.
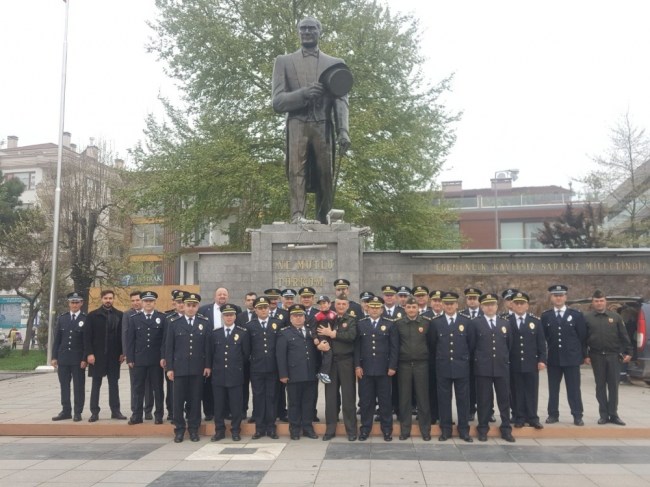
(635,312)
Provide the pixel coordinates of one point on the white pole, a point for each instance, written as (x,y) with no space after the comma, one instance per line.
(57,199)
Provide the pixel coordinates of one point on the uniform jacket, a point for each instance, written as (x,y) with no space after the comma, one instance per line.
(68,348)
(376,349)
(567,339)
(263,345)
(452,346)
(398,313)
(125,325)
(468,312)
(229,356)
(528,344)
(103,339)
(144,339)
(355,310)
(492,347)
(413,338)
(243,318)
(188,348)
(606,333)
(207,311)
(296,355)
(346,333)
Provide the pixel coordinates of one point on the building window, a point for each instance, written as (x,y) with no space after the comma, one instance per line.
(520,235)
(27,178)
(147,235)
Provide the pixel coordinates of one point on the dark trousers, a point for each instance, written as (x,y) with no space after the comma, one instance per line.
(433,391)
(395,394)
(265,398)
(342,376)
(207,397)
(376,389)
(484,398)
(326,361)
(414,376)
(247,388)
(302,400)
(113,376)
(75,373)
(148,394)
(233,397)
(472,391)
(525,388)
(169,397)
(187,390)
(606,373)
(572,382)
(152,374)
(282,401)
(461,388)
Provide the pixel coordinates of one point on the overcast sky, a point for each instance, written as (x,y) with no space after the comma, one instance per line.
(539,83)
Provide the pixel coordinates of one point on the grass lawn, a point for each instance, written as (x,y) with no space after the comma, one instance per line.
(17,361)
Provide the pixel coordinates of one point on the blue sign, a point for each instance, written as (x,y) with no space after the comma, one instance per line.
(10,311)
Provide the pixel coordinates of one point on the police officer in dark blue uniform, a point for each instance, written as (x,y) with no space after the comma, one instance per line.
(376,355)
(68,358)
(177,310)
(144,340)
(296,354)
(230,351)
(188,360)
(263,332)
(566,335)
(527,358)
(493,339)
(452,343)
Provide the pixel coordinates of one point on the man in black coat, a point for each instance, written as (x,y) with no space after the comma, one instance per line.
(188,360)
(342,290)
(144,341)
(452,342)
(527,358)
(493,339)
(263,332)
(103,347)
(296,354)
(230,349)
(376,353)
(566,335)
(69,359)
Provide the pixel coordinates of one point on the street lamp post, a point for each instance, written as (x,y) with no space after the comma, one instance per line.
(500,176)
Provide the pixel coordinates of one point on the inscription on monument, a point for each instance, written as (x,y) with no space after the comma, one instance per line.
(299,267)
(555,267)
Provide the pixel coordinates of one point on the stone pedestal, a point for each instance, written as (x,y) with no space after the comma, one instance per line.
(298,255)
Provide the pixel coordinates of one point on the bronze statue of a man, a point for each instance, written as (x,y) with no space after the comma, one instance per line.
(315,119)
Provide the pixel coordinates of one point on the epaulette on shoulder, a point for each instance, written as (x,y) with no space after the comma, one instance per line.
(199,315)
(534,316)
(464,314)
(174,318)
(364,318)
(240,327)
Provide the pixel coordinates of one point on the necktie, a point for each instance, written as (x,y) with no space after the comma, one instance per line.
(148,316)
(521,322)
(559,315)
(473,314)
(374,324)
(74,316)
(304,334)
(492,324)
(263,325)
(190,321)
(227,332)
(451,321)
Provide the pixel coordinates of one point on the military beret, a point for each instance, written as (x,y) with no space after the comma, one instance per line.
(488,298)
(420,291)
(74,297)
(148,295)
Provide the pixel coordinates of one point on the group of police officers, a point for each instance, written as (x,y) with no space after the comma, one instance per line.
(407,349)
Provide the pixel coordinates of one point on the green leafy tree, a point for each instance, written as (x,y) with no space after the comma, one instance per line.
(222,155)
(575,229)
(10,191)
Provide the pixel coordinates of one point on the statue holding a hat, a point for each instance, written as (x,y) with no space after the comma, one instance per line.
(311,88)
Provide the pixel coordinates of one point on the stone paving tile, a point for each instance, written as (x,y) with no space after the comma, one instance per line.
(404,476)
(104,465)
(601,469)
(549,468)
(377,466)
(290,476)
(57,464)
(496,468)
(18,464)
(250,465)
(137,476)
(6,473)
(548,480)
(76,477)
(296,465)
(639,469)
(343,477)
(31,476)
(150,465)
(199,465)
(347,465)
(445,467)
(447,478)
(609,480)
(512,479)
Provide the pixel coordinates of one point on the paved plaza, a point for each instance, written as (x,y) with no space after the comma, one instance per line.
(71,455)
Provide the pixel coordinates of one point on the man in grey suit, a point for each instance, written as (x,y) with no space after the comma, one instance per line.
(314,116)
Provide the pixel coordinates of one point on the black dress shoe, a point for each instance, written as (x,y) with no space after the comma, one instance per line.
(426,437)
(508,437)
(76,418)
(388,437)
(327,437)
(316,419)
(578,422)
(134,421)
(404,437)
(519,425)
(148,416)
(603,421)
(482,437)
(236,437)
(537,425)
(93,418)
(467,439)
(158,421)
(552,419)
(493,419)
(61,416)
(273,435)
(178,437)
(194,436)
(251,420)
(363,437)
(617,420)
(352,437)
(218,436)
(443,438)
(310,434)
(118,415)
(257,435)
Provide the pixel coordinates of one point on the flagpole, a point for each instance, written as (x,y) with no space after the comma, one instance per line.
(57,200)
